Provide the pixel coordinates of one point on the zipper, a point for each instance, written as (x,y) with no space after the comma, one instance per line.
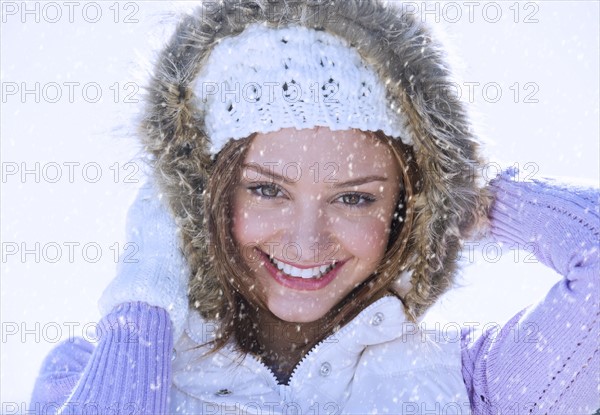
(268,369)
(339,333)
(284,390)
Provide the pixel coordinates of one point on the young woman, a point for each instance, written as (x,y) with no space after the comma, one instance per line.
(319,177)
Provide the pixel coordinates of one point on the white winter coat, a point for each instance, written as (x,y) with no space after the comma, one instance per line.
(377,363)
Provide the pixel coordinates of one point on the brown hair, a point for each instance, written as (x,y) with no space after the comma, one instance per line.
(452,200)
(237,297)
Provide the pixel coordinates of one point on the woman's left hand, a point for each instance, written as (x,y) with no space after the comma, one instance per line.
(157,273)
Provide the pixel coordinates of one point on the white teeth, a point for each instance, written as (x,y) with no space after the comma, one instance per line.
(307,273)
(294,272)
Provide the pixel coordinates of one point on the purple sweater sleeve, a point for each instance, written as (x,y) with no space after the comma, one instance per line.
(545,360)
(127,372)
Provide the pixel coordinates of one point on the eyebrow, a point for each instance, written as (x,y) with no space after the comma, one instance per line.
(353,182)
(361,180)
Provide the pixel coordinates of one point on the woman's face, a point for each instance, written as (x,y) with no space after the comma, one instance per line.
(312,214)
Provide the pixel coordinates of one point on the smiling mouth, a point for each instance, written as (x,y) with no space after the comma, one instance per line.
(306,273)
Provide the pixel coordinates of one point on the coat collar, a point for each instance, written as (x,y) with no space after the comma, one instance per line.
(322,377)
(384,318)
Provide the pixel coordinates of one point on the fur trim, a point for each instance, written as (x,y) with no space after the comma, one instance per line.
(415,69)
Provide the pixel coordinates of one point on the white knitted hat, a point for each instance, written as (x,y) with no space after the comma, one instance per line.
(267,79)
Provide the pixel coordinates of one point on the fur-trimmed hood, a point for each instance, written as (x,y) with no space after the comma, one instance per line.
(415,67)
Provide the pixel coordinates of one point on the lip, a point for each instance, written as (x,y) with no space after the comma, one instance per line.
(300,283)
(303,266)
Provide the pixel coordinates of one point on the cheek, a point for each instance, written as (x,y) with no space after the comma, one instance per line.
(366,238)
(251,223)
(245,227)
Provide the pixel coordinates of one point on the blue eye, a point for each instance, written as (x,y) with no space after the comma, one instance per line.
(266,190)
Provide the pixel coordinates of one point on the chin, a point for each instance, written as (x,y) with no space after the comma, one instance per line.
(296,316)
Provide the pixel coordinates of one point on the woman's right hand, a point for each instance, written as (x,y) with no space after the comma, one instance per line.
(157,272)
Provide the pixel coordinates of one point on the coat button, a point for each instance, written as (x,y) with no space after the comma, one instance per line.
(223,392)
(377,319)
(325,369)
(173,355)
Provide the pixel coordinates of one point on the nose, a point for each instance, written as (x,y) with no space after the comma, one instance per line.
(310,239)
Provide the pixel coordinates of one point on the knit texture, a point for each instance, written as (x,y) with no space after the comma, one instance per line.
(552,369)
(128,371)
(61,370)
(155,270)
(315,80)
(412,64)
(546,359)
